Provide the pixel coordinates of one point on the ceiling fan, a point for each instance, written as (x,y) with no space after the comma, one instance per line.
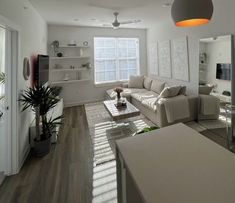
(116,24)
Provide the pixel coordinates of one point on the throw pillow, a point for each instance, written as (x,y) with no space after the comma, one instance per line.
(206,90)
(157,86)
(147,83)
(182,90)
(170,92)
(136,82)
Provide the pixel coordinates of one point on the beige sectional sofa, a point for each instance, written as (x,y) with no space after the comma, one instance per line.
(161,104)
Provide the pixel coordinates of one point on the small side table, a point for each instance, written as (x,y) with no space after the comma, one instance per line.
(229,111)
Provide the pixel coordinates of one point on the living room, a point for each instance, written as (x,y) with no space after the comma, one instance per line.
(131,83)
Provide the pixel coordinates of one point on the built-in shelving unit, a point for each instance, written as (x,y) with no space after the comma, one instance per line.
(73,67)
(69,81)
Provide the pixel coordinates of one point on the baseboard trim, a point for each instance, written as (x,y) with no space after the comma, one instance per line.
(80,103)
(2,178)
(27,150)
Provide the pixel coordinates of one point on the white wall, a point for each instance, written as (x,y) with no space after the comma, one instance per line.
(218,52)
(221,24)
(33,40)
(78,93)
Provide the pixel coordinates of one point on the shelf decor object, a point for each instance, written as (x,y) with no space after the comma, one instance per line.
(187,13)
(26,68)
(85,43)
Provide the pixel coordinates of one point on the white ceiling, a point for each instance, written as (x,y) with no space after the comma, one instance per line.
(99,12)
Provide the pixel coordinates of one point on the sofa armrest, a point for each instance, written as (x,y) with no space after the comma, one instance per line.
(161,114)
(161,111)
(209,106)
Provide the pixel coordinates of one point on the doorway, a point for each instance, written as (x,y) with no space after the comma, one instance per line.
(8,101)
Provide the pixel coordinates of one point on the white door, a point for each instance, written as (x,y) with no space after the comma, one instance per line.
(4,102)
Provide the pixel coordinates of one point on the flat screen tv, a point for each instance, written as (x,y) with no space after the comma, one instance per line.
(42,72)
(223,71)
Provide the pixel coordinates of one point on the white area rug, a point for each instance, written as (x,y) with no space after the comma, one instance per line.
(104,131)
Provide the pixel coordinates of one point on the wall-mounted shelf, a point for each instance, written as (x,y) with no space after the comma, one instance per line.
(68,81)
(67,46)
(69,57)
(69,70)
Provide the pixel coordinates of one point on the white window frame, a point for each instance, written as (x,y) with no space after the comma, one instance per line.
(117,59)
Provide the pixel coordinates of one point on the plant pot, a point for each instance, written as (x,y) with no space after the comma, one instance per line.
(42,147)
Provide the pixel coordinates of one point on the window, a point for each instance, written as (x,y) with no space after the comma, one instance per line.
(115,59)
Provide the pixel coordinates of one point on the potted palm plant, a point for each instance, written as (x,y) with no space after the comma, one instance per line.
(41,99)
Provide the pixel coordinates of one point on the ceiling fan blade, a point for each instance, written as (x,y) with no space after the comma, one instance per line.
(130,22)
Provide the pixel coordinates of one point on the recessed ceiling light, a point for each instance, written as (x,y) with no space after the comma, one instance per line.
(165,5)
(93,19)
(26,7)
(76,19)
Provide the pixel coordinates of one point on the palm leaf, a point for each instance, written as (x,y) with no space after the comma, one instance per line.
(2,78)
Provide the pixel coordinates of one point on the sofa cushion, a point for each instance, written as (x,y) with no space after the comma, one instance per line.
(150,103)
(147,83)
(144,95)
(206,90)
(126,92)
(182,90)
(170,92)
(136,82)
(157,86)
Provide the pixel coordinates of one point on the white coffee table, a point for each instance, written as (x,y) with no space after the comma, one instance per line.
(123,113)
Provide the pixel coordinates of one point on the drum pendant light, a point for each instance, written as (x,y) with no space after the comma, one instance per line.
(188,13)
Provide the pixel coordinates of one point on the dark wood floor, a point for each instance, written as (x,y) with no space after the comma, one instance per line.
(65,175)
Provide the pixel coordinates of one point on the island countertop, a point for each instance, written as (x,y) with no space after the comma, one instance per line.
(177,164)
